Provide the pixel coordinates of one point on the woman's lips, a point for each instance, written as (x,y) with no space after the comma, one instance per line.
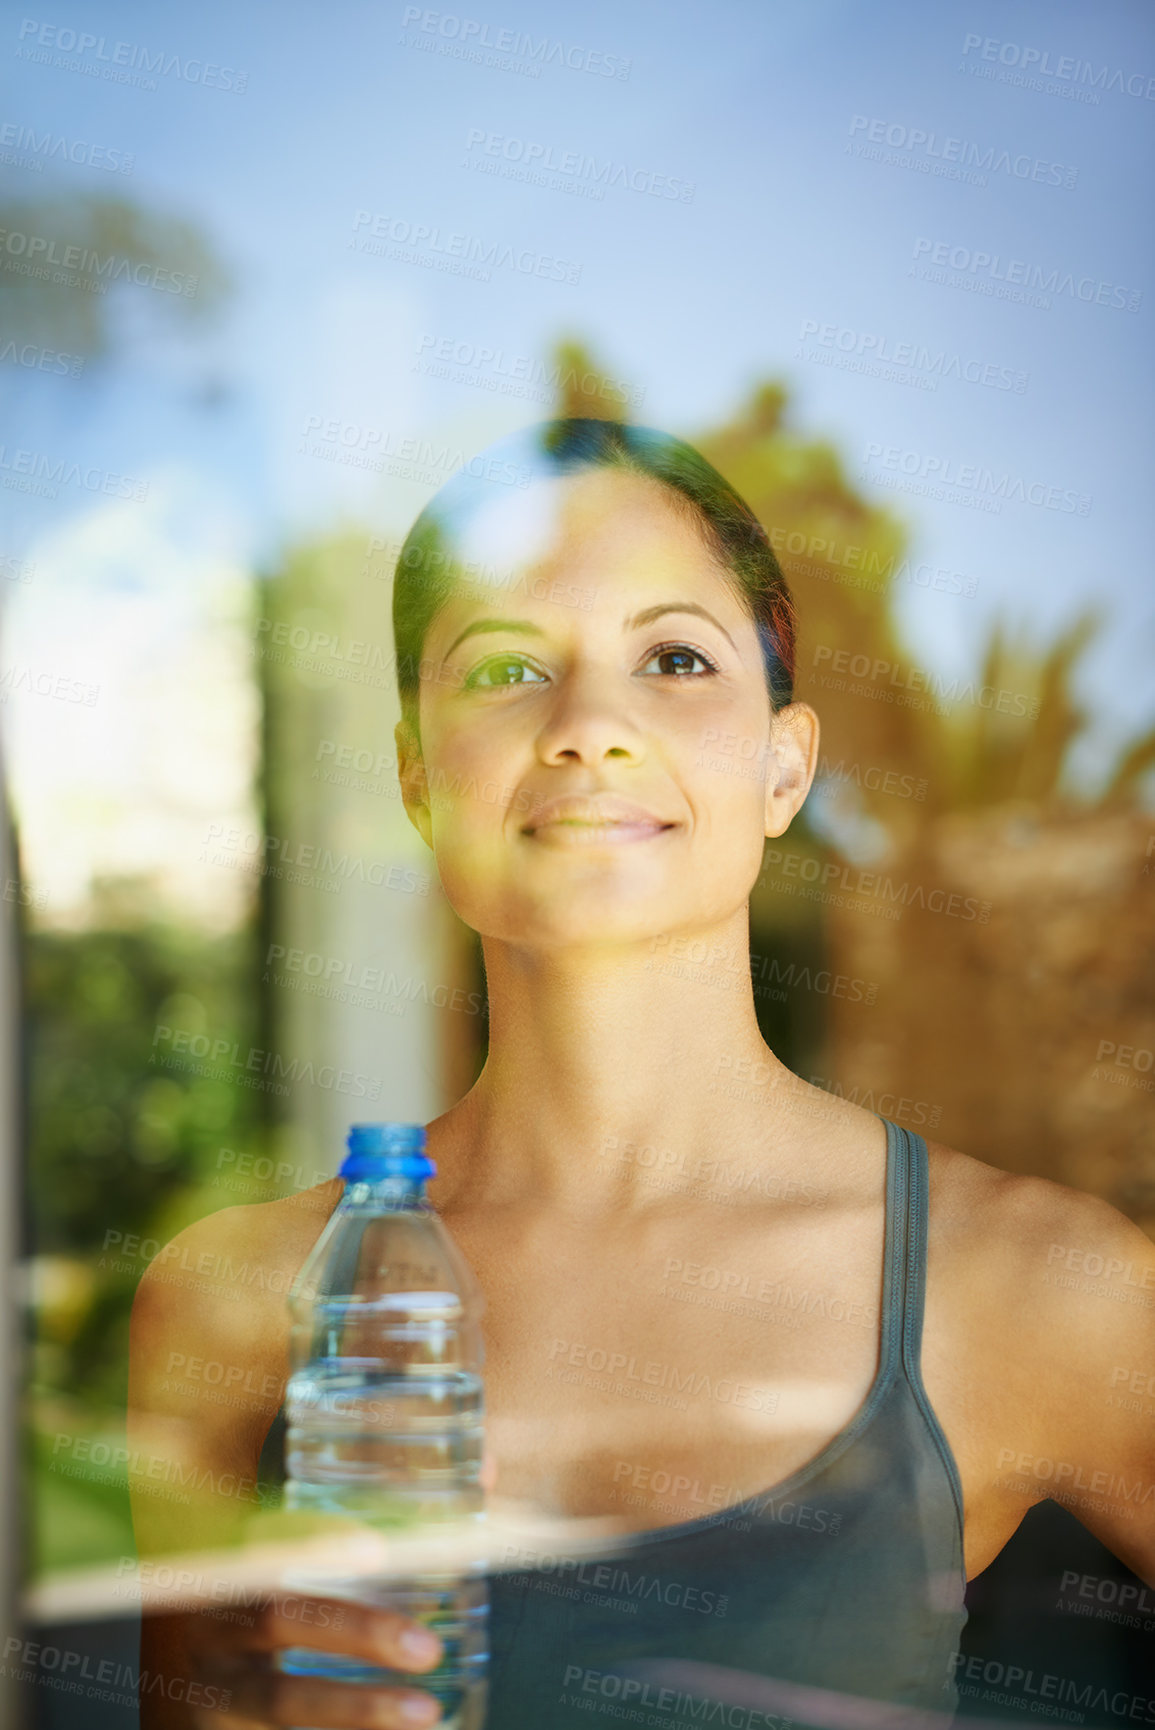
(577,820)
(569,832)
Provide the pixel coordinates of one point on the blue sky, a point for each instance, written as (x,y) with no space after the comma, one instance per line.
(763,110)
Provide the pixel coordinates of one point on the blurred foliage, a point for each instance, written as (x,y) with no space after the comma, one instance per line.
(584,391)
(82,321)
(116,1143)
(121,1123)
(81,1520)
(846,561)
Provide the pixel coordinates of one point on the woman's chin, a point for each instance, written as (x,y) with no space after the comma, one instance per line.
(591,918)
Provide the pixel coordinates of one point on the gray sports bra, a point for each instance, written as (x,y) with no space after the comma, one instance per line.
(830,1599)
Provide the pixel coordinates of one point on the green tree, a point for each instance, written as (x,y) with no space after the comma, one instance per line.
(101,236)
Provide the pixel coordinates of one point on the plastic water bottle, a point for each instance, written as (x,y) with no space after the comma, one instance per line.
(384,1405)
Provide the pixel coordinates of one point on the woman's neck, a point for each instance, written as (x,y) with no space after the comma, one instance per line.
(594,1056)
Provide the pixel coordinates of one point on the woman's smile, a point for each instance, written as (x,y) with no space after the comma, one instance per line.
(591,820)
(566,833)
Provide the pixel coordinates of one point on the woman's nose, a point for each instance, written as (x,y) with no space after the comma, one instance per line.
(589,721)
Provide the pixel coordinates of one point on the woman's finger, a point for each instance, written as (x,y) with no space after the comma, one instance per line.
(265,1699)
(323,1624)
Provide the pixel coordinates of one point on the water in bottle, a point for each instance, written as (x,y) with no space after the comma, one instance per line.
(384,1404)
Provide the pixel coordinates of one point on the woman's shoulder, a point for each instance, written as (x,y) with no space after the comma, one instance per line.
(229,1260)
(1052,1273)
(1018,1215)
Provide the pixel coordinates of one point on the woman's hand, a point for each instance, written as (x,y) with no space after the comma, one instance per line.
(232,1660)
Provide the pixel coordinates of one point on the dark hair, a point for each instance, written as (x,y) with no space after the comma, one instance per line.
(428,568)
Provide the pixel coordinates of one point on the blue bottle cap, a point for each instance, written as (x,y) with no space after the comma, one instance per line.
(379,1150)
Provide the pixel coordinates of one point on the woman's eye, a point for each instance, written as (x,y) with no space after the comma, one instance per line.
(678,659)
(504,670)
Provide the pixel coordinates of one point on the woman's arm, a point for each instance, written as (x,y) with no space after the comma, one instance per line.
(208,1360)
(1090,1275)
(207,1364)
(1040,1321)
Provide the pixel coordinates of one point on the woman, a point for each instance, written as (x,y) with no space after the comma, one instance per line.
(807,1483)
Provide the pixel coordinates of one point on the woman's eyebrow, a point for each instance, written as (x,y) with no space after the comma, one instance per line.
(522,626)
(651,613)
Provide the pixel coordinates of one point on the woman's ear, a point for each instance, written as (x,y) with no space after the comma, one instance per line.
(794,758)
(414,784)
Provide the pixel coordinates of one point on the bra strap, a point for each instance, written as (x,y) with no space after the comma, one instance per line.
(894,1252)
(916,1168)
(911,1230)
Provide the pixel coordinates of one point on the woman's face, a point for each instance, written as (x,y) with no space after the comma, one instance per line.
(599,761)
